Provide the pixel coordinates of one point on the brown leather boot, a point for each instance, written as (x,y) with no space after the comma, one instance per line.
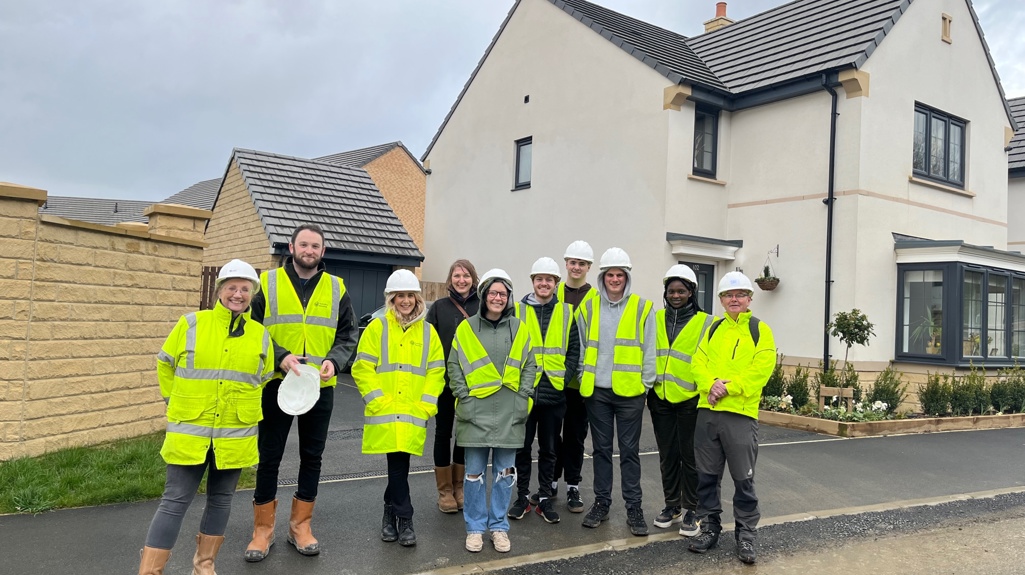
(263,531)
(207,547)
(446,501)
(152,560)
(299,533)
(458,473)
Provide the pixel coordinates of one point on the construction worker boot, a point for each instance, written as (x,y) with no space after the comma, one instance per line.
(207,547)
(299,533)
(263,531)
(152,560)
(446,499)
(458,473)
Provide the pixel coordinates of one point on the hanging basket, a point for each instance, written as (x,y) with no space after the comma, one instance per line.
(767,284)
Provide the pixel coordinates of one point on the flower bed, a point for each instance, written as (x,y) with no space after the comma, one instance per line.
(890,426)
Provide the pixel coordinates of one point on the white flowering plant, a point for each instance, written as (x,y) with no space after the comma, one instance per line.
(783,404)
(862,411)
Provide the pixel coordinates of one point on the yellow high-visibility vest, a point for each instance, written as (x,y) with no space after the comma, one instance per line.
(309,331)
(481,375)
(550,348)
(628,355)
(213,382)
(674,381)
(400,373)
(591,294)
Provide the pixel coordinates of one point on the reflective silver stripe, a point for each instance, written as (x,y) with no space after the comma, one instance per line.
(372,396)
(592,342)
(623,342)
(366,357)
(384,343)
(190,341)
(211,432)
(622,367)
(704,328)
(472,367)
(221,374)
(436,364)
(336,295)
(689,386)
(426,345)
(397,418)
(680,355)
(551,350)
(661,352)
(590,368)
(316,359)
(321,321)
(271,317)
(268,351)
(428,398)
(280,319)
(556,372)
(390,367)
(510,362)
(165,357)
(486,384)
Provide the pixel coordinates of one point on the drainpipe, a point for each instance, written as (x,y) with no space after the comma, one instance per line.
(829,201)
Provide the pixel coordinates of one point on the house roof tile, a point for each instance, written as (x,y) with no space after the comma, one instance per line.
(199,195)
(360,157)
(95,210)
(1016,155)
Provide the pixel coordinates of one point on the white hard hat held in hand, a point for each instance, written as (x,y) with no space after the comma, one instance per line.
(580,250)
(238,269)
(614,258)
(547,266)
(401,280)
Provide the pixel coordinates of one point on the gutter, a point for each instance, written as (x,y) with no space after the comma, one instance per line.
(829,201)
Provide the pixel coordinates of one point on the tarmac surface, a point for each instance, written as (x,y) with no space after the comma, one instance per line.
(803,481)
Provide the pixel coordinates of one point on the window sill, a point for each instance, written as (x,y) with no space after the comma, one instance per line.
(941,187)
(520,187)
(706,180)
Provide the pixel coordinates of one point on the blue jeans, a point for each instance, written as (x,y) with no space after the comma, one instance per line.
(480,516)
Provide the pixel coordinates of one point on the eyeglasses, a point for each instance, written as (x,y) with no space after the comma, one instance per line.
(736,296)
(497,295)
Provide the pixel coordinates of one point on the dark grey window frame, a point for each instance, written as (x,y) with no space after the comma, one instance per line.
(713,113)
(520,144)
(953,335)
(948,120)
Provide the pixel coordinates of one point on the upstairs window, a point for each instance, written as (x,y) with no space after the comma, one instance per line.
(523,160)
(939,146)
(706,141)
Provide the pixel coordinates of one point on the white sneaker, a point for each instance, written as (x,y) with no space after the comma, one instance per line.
(474,542)
(501,541)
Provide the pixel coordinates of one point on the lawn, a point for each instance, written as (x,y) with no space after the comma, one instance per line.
(123,471)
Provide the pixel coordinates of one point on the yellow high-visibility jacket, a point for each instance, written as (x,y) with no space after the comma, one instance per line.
(550,348)
(211,372)
(675,382)
(628,355)
(400,373)
(731,354)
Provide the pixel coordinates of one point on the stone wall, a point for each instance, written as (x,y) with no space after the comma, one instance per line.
(404,186)
(84,309)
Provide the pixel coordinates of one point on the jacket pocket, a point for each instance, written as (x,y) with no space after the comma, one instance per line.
(187,408)
(521,408)
(249,411)
(465,409)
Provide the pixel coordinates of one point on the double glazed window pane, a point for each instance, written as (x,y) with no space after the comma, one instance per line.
(956,139)
(997,316)
(923,312)
(937,147)
(921,121)
(704,142)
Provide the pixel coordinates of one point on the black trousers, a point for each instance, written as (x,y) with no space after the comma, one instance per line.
(610,414)
(444,453)
(544,421)
(570,460)
(673,424)
(723,438)
(397,492)
(274,428)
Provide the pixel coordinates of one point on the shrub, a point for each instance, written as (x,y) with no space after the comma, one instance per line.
(797,387)
(889,389)
(833,378)
(776,386)
(849,378)
(1008,394)
(935,395)
(969,394)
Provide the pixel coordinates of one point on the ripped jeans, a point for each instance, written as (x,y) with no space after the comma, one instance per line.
(479,516)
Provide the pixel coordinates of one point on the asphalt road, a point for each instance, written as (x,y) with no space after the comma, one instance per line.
(799,476)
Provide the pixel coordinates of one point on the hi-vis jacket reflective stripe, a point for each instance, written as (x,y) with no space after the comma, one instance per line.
(310,331)
(675,382)
(550,348)
(731,355)
(482,377)
(212,382)
(627,354)
(400,374)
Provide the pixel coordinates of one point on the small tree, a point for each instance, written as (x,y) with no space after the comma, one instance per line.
(852,328)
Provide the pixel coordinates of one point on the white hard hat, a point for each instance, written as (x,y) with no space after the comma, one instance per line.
(614,258)
(545,265)
(488,278)
(238,269)
(681,271)
(580,250)
(734,280)
(401,280)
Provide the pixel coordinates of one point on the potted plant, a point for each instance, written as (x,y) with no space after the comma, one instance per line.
(767,281)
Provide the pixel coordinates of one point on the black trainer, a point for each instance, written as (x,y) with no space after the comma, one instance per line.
(573,501)
(704,541)
(519,509)
(599,512)
(668,517)
(546,509)
(535,497)
(388,531)
(407,538)
(746,552)
(635,519)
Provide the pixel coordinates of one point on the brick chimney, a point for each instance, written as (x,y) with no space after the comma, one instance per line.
(720,20)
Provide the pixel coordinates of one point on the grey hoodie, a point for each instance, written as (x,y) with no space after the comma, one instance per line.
(609,314)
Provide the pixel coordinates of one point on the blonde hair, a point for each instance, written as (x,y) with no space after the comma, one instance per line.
(418,308)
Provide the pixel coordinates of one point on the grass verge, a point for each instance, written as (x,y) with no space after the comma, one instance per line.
(119,472)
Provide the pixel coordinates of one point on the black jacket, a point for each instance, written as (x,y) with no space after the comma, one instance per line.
(346,334)
(544,393)
(446,317)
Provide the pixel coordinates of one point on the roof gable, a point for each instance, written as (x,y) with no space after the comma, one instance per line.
(342,200)
(199,195)
(1016,153)
(363,156)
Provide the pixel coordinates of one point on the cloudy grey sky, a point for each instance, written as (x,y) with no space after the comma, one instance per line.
(138,100)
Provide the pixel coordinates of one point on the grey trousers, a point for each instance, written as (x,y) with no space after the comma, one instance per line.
(609,413)
(179,491)
(721,438)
